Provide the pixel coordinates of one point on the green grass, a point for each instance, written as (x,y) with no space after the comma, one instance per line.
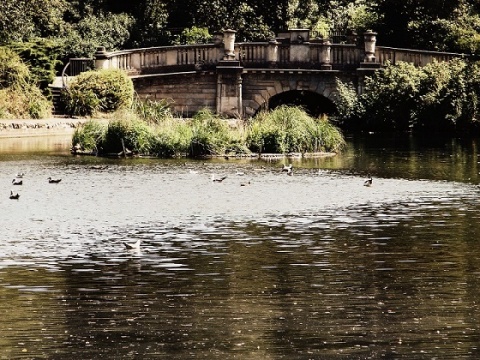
(155,132)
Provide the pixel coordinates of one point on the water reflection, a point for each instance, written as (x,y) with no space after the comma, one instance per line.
(310,266)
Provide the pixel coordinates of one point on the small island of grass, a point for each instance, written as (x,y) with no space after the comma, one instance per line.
(157,133)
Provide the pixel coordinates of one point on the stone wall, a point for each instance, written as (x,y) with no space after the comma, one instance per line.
(193,91)
(189,92)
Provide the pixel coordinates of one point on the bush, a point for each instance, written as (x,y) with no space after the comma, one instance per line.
(173,138)
(390,96)
(41,57)
(152,111)
(441,96)
(208,134)
(13,71)
(19,97)
(98,91)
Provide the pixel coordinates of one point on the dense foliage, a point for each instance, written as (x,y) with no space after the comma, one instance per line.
(82,25)
(442,96)
(208,135)
(98,91)
(20,97)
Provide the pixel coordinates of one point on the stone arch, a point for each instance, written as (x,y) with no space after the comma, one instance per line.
(300,89)
(313,103)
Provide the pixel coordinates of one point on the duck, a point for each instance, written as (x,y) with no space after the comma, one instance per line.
(220,179)
(287,168)
(14,196)
(53,181)
(20,175)
(17,182)
(369,181)
(135,245)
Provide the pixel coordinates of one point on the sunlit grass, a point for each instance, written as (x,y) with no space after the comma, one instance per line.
(156,132)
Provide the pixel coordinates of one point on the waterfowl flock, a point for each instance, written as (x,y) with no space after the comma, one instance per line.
(18,180)
(288,169)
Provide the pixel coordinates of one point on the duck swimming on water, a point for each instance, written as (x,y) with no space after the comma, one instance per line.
(14,196)
(220,179)
(369,181)
(53,181)
(17,182)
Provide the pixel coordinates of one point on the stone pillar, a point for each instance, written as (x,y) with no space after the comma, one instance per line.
(229,88)
(272,52)
(370,39)
(325,55)
(229,43)
(101,58)
(299,45)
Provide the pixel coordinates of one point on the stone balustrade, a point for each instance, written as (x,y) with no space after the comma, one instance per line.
(295,51)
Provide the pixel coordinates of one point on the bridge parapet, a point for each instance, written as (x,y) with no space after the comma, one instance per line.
(315,54)
(386,54)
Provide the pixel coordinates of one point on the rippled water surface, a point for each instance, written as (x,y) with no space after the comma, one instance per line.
(260,266)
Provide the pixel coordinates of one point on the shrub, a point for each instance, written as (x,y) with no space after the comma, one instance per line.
(98,91)
(349,107)
(41,57)
(13,71)
(173,138)
(19,97)
(441,96)
(390,96)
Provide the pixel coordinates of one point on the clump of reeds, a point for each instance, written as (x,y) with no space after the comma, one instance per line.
(283,130)
(290,129)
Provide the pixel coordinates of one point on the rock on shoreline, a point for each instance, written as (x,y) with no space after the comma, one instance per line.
(38,127)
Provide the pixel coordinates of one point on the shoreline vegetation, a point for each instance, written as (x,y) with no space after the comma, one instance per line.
(283,132)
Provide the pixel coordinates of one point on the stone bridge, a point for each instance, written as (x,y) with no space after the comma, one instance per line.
(239,79)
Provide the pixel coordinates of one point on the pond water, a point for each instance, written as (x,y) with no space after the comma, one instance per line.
(260,266)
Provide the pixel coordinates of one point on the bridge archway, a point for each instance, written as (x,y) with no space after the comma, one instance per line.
(313,103)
